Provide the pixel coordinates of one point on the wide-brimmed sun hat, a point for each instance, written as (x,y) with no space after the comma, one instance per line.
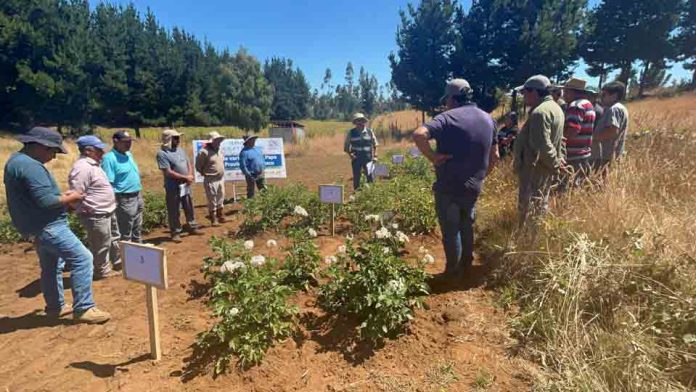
(249,138)
(45,137)
(214,135)
(359,118)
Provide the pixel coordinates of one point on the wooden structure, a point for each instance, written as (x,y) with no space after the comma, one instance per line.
(291,132)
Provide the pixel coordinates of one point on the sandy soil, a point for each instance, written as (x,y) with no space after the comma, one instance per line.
(459,343)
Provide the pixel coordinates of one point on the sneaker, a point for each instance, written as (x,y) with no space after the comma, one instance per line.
(91,316)
(64,311)
(176,238)
(110,274)
(192,230)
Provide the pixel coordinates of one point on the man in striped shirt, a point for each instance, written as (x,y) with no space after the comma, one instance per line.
(579,125)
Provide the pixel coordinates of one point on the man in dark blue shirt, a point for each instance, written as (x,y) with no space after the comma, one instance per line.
(466,148)
(37,209)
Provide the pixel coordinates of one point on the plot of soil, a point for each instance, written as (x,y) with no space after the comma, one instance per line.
(459,343)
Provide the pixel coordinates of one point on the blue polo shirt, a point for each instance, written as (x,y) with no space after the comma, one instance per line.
(251,161)
(33,197)
(122,172)
(467,133)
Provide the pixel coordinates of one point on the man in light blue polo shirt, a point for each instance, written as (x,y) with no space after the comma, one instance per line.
(124,176)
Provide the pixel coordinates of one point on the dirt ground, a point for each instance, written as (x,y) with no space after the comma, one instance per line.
(459,343)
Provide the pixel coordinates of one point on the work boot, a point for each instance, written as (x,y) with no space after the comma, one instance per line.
(176,238)
(110,274)
(220,217)
(64,311)
(192,229)
(91,316)
(213,220)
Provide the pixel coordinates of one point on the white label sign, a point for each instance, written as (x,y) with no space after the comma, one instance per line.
(397,159)
(414,152)
(381,170)
(271,148)
(144,263)
(331,194)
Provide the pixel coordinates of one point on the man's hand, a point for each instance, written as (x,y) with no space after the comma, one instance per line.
(70,197)
(438,159)
(189,179)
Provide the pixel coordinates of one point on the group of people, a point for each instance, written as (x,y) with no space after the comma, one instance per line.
(105,193)
(559,145)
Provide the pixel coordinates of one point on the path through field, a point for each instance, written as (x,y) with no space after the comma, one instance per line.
(460,343)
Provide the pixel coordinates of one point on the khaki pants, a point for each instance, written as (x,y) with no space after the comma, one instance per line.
(214,192)
(533,199)
(103,237)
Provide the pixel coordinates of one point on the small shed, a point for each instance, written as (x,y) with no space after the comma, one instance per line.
(292,132)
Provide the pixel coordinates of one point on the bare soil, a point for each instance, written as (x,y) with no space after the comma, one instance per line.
(459,343)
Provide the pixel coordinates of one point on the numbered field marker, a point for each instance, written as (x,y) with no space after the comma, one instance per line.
(398,159)
(331,194)
(414,152)
(148,265)
(381,170)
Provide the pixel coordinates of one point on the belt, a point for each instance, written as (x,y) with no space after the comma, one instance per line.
(132,194)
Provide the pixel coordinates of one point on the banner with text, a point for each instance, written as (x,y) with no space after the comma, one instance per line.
(271,148)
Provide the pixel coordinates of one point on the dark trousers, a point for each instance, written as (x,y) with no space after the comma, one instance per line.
(456,215)
(251,182)
(359,166)
(174,204)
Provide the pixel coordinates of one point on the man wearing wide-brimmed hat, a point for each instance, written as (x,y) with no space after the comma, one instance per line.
(38,212)
(252,164)
(361,145)
(178,177)
(210,163)
(579,125)
(538,150)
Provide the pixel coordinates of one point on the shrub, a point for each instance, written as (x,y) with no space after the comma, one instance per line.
(8,234)
(155,211)
(269,208)
(370,282)
(302,262)
(249,303)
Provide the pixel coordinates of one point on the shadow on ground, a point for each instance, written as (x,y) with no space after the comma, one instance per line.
(33,320)
(107,370)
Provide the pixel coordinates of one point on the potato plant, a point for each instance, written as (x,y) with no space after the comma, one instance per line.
(302,261)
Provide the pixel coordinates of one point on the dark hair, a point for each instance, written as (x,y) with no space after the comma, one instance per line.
(465,97)
(616,88)
(513,117)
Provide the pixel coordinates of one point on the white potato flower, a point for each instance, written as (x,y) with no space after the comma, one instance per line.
(312,232)
(230,266)
(386,250)
(428,259)
(351,198)
(422,250)
(248,244)
(330,259)
(271,243)
(300,211)
(258,260)
(401,237)
(395,226)
(371,217)
(234,312)
(342,249)
(383,233)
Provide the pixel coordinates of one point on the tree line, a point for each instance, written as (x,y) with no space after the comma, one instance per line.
(66,65)
(497,44)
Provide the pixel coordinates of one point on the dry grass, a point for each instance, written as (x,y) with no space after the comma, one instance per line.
(606,294)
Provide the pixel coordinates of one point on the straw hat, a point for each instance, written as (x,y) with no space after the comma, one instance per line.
(576,84)
(212,136)
(359,117)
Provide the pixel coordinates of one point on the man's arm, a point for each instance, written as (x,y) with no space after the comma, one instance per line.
(540,125)
(242,165)
(346,146)
(201,161)
(421,137)
(108,167)
(609,133)
(493,158)
(40,188)
(573,123)
(167,171)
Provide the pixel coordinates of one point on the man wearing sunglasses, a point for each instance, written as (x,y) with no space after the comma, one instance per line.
(538,149)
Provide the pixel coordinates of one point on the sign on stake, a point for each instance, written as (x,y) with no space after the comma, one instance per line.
(331,194)
(381,170)
(147,264)
(398,159)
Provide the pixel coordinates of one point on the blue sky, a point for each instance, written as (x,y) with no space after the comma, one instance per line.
(315,34)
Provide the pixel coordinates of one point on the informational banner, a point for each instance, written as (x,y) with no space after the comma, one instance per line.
(271,148)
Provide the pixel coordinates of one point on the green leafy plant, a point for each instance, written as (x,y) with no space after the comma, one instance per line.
(8,234)
(370,282)
(155,211)
(302,261)
(249,303)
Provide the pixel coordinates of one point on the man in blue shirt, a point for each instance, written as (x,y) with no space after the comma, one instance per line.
(37,209)
(466,150)
(252,164)
(124,176)
(178,177)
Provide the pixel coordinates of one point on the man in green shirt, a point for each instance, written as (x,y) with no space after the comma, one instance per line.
(538,149)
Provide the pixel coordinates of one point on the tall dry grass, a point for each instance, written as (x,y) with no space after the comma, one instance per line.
(606,294)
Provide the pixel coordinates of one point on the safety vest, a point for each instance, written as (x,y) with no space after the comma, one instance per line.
(361,143)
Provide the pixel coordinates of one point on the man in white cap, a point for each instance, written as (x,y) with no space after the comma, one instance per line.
(178,177)
(96,209)
(361,145)
(466,151)
(538,149)
(210,163)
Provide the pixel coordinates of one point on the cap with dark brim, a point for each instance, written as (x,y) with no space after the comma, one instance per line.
(40,138)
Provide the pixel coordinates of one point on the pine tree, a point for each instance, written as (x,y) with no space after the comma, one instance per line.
(290,89)
(686,39)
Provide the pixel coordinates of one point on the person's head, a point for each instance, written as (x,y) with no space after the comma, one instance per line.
(574,89)
(42,144)
(250,140)
(557,93)
(457,93)
(122,141)
(215,139)
(171,138)
(535,89)
(612,93)
(511,119)
(91,146)
(360,121)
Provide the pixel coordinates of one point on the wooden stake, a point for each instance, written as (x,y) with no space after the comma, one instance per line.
(333,219)
(153,321)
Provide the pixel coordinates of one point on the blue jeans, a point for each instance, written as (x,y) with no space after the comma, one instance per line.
(359,165)
(58,247)
(456,215)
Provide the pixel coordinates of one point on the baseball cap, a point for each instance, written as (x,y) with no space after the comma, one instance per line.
(90,141)
(456,87)
(45,137)
(122,135)
(538,82)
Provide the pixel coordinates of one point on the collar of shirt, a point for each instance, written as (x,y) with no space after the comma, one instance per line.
(89,160)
